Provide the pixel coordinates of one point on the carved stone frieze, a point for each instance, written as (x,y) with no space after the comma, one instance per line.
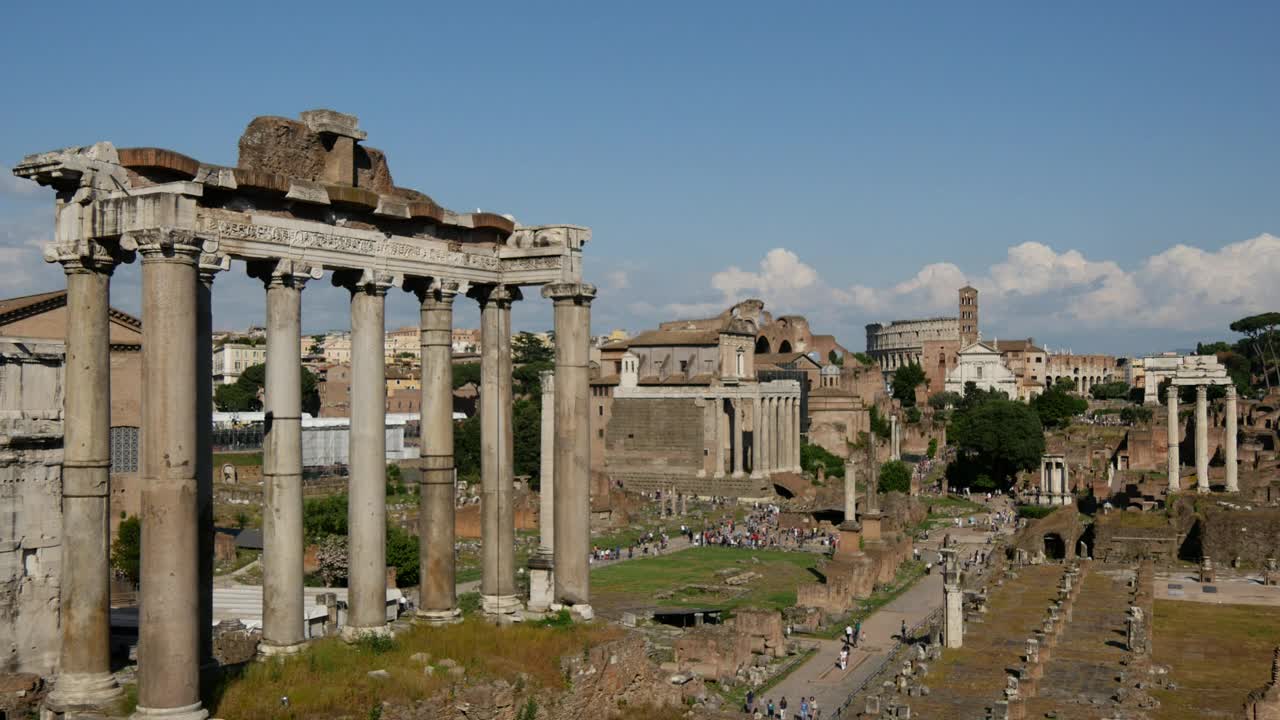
(534,236)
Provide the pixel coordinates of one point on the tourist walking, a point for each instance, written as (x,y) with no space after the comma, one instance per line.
(813,708)
(804,708)
(844,658)
(848,634)
(857,633)
(782,707)
(904,631)
(770,708)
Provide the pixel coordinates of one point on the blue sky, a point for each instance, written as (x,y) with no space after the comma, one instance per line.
(1105,173)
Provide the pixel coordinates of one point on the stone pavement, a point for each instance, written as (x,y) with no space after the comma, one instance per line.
(831,686)
(1230,589)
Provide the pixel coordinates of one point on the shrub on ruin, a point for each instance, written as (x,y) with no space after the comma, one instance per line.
(895,476)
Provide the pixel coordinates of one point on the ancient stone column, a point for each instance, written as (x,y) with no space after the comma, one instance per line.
(765,453)
(1175,467)
(283,631)
(209,266)
(893,437)
(708,435)
(953,595)
(721,433)
(546,508)
(850,493)
(573,441)
(757,437)
(738,454)
(1229,443)
(795,433)
(436,488)
(1202,438)
(169,605)
(497,511)
(367,457)
(85,680)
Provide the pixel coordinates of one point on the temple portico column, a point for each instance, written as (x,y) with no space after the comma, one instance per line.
(436,485)
(572,303)
(765,453)
(708,434)
(85,679)
(209,266)
(497,511)
(721,432)
(547,464)
(757,437)
(1229,442)
(795,430)
(893,436)
(1202,438)
(736,404)
(283,630)
(169,605)
(367,456)
(1175,469)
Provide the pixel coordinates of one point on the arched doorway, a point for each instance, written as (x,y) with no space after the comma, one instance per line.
(1054,547)
(784,347)
(762,345)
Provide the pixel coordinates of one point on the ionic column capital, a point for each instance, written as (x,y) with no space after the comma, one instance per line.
(87,255)
(210,264)
(368,280)
(501,295)
(168,244)
(285,273)
(1231,390)
(577,293)
(437,290)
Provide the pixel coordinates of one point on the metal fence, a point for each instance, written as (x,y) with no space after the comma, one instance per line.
(248,437)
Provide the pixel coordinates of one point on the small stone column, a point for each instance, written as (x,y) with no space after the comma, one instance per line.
(85,680)
(795,434)
(850,493)
(1175,467)
(893,437)
(367,457)
(757,437)
(437,487)
(953,626)
(738,454)
(1229,443)
(283,631)
(573,443)
(542,565)
(169,617)
(1202,438)
(497,510)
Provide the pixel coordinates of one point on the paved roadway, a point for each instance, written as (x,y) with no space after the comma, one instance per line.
(820,678)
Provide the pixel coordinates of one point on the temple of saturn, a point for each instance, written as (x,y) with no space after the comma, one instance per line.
(1201,371)
(305,197)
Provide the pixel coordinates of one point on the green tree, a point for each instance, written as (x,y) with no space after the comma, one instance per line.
(895,476)
(464,373)
(1260,329)
(999,437)
(402,554)
(234,398)
(813,457)
(527,379)
(945,399)
(913,415)
(879,425)
(1110,390)
(905,381)
(835,358)
(526,429)
(933,448)
(310,393)
(863,359)
(126,551)
(1056,407)
(324,516)
(527,348)
(1134,414)
(244,394)
(466,446)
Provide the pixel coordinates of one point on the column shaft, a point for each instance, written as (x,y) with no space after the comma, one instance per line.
(757,436)
(547,494)
(367,461)
(573,442)
(766,434)
(1175,470)
(1202,438)
(169,612)
(204,451)
(736,404)
(720,433)
(497,583)
(437,492)
(282,617)
(1229,442)
(85,678)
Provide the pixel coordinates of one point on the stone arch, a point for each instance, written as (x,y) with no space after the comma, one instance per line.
(784,346)
(762,345)
(1055,548)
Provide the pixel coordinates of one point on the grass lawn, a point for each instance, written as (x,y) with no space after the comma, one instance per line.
(330,678)
(636,583)
(1216,655)
(237,458)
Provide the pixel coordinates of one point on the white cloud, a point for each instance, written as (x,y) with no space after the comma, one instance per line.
(1034,290)
(617,280)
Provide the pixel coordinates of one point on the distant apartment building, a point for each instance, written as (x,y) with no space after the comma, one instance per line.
(231,359)
(466,341)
